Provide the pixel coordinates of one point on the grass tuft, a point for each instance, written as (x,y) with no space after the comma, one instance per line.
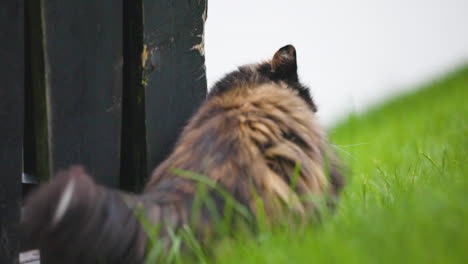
(406,200)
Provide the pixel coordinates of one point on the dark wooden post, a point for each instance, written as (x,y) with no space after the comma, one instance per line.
(174,70)
(133,155)
(11,126)
(36,163)
(83,67)
(166,81)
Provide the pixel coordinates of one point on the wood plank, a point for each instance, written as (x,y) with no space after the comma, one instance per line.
(133,155)
(83,65)
(11,126)
(174,70)
(36,149)
(164,80)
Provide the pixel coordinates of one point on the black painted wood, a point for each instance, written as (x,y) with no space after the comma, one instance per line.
(164,80)
(36,148)
(174,70)
(83,66)
(29,141)
(11,125)
(133,155)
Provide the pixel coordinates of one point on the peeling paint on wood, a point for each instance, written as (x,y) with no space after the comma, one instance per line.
(144,56)
(165,80)
(173,32)
(200,46)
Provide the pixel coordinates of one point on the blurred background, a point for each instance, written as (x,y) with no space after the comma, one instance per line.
(352,54)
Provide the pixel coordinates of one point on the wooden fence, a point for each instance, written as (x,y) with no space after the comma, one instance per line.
(107,84)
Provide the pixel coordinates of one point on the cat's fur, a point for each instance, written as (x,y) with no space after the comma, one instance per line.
(257,123)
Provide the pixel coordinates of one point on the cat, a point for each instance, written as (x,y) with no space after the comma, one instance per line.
(256,127)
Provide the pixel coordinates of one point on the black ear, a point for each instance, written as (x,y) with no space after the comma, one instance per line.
(284,64)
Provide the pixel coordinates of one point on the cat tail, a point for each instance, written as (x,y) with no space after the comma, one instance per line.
(74,220)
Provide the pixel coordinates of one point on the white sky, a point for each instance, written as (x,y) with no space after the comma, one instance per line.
(351,53)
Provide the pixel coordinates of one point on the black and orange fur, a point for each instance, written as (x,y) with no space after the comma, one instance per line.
(257,123)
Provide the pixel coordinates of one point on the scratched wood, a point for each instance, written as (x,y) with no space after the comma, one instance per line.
(174,70)
(11,127)
(83,67)
(164,80)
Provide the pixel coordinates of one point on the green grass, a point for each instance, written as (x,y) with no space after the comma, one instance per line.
(407,195)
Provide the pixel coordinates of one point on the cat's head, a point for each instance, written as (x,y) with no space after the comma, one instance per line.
(280,70)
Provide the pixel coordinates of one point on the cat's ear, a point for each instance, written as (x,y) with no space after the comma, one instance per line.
(284,64)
